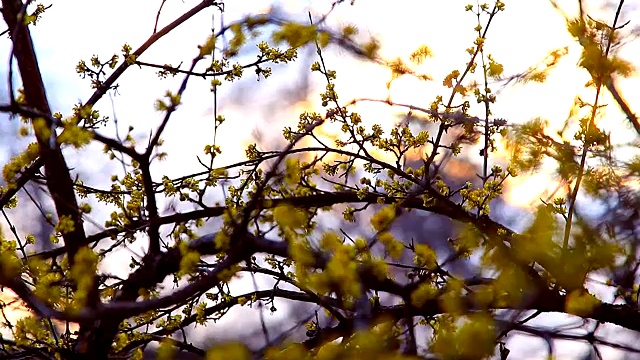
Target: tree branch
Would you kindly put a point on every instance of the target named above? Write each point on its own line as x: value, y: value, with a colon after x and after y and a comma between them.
x: 633, y: 119
x: 57, y: 173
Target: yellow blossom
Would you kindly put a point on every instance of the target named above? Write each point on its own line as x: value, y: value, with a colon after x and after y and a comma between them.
x: 230, y: 351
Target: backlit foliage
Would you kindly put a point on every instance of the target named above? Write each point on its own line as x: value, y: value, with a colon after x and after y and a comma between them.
x: 373, y: 292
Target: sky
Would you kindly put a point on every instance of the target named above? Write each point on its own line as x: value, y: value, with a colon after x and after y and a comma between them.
x: 521, y: 36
